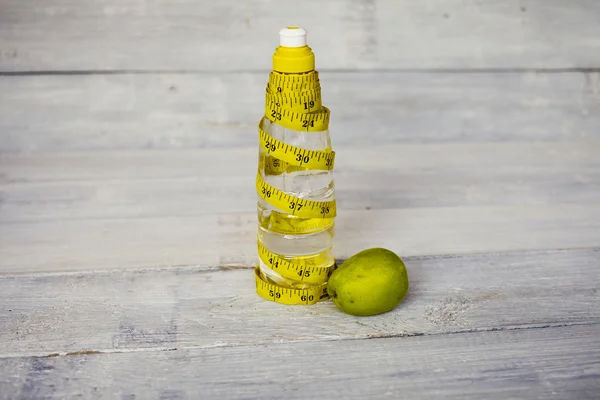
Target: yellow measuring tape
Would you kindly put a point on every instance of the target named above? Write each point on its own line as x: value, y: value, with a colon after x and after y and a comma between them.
x: 302, y: 102
x: 287, y: 224
x: 294, y: 205
x: 283, y: 84
x: 274, y: 166
x: 298, y: 271
x: 311, y: 122
x: 284, y: 295
x: 293, y: 101
x: 309, y: 159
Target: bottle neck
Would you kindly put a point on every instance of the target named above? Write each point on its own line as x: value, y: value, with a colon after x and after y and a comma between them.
x: 293, y: 60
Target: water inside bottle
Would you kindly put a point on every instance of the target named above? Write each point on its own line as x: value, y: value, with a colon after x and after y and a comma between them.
x: 299, y: 240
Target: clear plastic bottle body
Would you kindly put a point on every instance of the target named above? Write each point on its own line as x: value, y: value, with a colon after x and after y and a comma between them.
x: 299, y: 240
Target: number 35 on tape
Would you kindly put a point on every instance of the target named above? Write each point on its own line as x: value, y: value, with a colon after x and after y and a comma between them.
x: 294, y: 205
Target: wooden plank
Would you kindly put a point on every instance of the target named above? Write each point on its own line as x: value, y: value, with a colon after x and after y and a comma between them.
x: 537, y: 363
x: 230, y: 238
x: 85, y: 185
x: 91, y: 112
x: 145, y: 210
x: 208, y: 307
x: 61, y: 35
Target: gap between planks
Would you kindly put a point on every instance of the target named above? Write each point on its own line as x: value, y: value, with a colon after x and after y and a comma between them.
x: 229, y: 267
x: 181, y: 308
x: 527, y: 363
x: 286, y: 342
x: 506, y: 70
x: 183, y: 111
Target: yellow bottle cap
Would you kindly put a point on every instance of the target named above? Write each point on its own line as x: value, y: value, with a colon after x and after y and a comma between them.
x: 293, y: 55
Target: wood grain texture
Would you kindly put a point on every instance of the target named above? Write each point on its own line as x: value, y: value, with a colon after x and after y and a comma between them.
x: 230, y: 238
x: 208, y: 307
x: 67, y: 35
x: 467, y: 138
x: 86, y: 211
x: 92, y: 185
x: 533, y: 364
x: 100, y: 112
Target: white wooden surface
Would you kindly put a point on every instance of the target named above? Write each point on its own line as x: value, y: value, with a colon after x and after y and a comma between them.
x: 151, y: 209
x: 180, y: 307
x: 157, y: 111
x: 187, y: 35
x: 467, y: 135
x: 490, y: 365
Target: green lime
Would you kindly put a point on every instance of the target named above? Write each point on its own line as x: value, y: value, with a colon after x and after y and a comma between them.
x: 371, y: 282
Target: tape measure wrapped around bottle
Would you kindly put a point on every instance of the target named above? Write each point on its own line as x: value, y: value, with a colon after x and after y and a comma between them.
x: 289, y: 296
x: 293, y: 100
x: 300, y: 110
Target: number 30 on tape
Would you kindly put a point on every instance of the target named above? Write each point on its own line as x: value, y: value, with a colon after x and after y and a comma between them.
x: 309, y: 159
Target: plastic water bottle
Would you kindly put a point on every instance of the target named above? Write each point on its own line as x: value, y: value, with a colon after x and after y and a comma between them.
x: 304, y: 242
